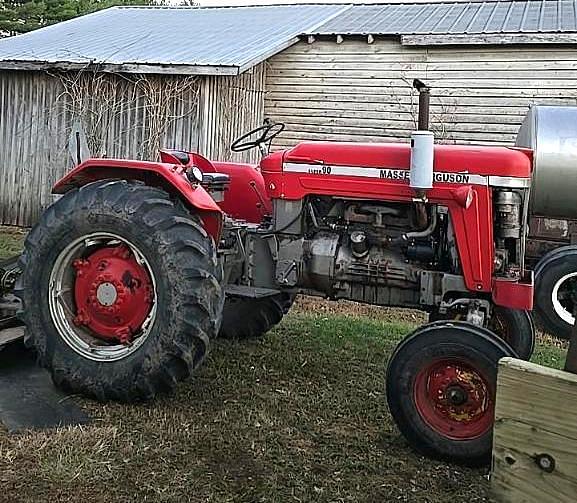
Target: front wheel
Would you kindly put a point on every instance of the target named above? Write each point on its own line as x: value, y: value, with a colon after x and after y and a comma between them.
x: 121, y: 292
x: 514, y: 326
x: 441, y: 384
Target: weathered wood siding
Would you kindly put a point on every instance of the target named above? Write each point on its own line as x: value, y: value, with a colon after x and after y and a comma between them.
x: 124, y: 117
x: 231, y: 106
x: 355, y: 91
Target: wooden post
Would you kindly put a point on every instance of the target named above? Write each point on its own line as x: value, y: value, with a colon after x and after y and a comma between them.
x: 571, y: 361
x: 535, y: 434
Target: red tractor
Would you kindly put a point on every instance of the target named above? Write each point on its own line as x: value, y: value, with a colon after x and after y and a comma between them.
x: 129, y: 275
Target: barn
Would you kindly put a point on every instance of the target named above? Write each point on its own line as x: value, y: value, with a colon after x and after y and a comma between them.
x: 140, y: 78
x: 136, y: 79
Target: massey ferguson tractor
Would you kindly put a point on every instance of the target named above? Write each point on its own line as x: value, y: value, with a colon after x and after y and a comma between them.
x: 128, y: 276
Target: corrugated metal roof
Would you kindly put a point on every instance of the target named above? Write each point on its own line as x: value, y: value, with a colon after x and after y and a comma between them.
x: 229, y: 40
x: 197, y: 40
x: 523, y: 17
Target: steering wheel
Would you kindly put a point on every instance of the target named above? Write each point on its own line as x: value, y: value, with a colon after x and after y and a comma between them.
x: 264, y: 135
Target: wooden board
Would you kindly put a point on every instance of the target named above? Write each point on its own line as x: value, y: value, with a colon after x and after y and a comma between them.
x: 535, y: 419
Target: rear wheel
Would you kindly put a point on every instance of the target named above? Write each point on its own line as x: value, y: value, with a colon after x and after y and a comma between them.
x: 121, y: 291
x: 555, y: 284
x: 441, y: 383
x: 243, y: 318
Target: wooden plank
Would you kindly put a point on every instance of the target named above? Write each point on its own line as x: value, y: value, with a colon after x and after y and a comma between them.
x: 350, y: 105
x: 392, y: 46
x: 347, y: 125
x: 400, y: 114
x: 434, y: 55
x: 490, y: 38
x: 400, y: 102
x: 511, y: 84
x: 122, y: 68
x: 373, y: 63
x: 535, y: 420
x: 441, y: 74
x: 302, y: 133
x: 304, y: 87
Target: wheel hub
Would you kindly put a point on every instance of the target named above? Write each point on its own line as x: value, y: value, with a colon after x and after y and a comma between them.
x: 456, y: 395
x: 562, y: 297
x: 113, y: 293
x: 454, y: 399
x: 106, y: 294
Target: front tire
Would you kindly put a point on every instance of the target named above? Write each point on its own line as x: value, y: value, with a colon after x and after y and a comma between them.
x: 120, y: 289
x: 441, y: 384
x: 513, y: 326
x: 555, y: 279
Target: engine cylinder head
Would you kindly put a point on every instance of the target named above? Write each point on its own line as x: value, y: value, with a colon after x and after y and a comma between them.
x: 508, y: 208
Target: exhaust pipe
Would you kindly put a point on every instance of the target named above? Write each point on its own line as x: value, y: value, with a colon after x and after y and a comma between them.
x: 422, y: 141
x: 424, y: 101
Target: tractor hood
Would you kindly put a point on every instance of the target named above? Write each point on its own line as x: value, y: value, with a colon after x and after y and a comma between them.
x: 478, y: 160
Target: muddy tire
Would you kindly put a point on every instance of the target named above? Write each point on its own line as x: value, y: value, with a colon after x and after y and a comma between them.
x: 165, y: 262
x: 555, y: 277
x: 246, y: 318
x: 440, y: 387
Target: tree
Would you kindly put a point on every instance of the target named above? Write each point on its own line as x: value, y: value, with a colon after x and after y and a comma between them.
x: 21, y: 16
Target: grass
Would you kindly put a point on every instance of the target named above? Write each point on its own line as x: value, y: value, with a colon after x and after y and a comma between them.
x: 11, y: 241
x: 296, y: 416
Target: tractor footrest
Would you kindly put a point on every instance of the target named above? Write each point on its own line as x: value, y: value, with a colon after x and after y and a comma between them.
x: 10, y: 335
x: 251, y: 292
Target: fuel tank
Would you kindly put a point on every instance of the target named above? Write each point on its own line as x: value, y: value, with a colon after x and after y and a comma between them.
x: 551, y: 131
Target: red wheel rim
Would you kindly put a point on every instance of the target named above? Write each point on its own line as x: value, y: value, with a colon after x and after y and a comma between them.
x: 455, y: 399
x: 113, y: 293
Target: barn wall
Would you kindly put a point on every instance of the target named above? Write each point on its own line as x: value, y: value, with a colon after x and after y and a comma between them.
x: 362, y: 92
x: 231, y: 106
x: 128, y: 116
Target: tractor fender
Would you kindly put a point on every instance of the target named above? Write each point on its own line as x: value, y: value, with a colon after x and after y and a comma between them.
x: 170, y: 177
x: 247, y: 197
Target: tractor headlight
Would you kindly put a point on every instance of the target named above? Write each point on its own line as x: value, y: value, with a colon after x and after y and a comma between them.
x: 194, y: 175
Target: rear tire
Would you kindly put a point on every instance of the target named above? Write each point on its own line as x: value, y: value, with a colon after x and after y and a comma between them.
x: 245, y: 318
x: 441, y: 383
x: 555, y: 276
x: 180, y: 259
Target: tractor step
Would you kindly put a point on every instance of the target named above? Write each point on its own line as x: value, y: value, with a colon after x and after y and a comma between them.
x: 251, y: 292
x: 10, y: 335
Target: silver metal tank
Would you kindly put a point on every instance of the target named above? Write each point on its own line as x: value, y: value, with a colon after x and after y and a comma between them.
x: 551, y: 131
